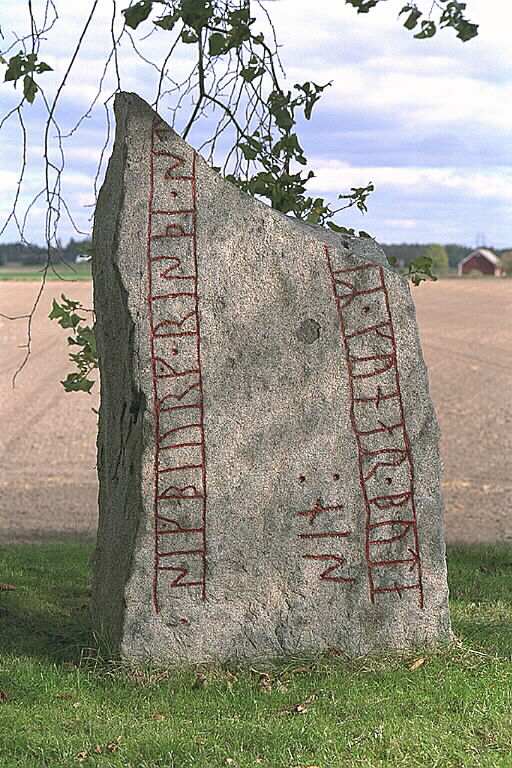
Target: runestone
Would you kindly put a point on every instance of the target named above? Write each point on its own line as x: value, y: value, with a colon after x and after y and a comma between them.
x: 268, y: 449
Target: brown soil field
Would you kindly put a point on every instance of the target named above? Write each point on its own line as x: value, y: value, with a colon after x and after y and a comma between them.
x: 47, y: 441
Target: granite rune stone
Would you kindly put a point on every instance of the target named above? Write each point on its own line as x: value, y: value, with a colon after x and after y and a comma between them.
x: 268, y: 449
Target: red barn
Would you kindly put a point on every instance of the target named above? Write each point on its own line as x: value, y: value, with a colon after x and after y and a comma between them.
x: 480, y: 260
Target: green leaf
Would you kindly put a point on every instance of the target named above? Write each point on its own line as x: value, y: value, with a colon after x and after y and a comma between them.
x: 251, y: 73
x: 56, y: 312
x: 76, y: 383
x: 167, y: 22
x: 363, y: 6
x: 412, y: 19
x: 428, y: 29
x: 69, y: 382
x: 217, y: 44
x: 189, y: 37
x: 69, y: 321
x: 137, y: 13
x: 86, y: 357
x: 69, y: 303
x: 311, y: 93
x: 29, y: 88
x: 289, y: 146
x: 87, y: 336
x: 420, y: 269
x: 24, y: 65
x: 467, y: 31
x: 248, y: 152
x: 254, y: 144
x: 240, y: 16
x: 14, y: 68
x: 196, y: 13
x: 44, y: 67
x: 282, y: 116
x: 337, y: 228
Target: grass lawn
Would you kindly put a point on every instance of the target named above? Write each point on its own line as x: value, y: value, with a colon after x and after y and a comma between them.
x: 62, y: 272
x: 64, y: 703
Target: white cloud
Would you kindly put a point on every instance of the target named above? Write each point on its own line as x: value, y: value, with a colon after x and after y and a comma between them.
x: 400, y: 223
x: 426, y: 120
x: 8, y: 179
x: 332, y: 175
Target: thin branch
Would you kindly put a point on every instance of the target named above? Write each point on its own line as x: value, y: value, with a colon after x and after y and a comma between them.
x: 162, y: 69
x: 201, y: 86
x: 213, y: 84
x: 14, y: 317
x: 68, y: 70
x: 10, y: 113
x: 103, y: 150
x: 115, y: 44
x: 49, y: 195
x: 21, y: 40
x: 28, y: 345
x: 22, y: 173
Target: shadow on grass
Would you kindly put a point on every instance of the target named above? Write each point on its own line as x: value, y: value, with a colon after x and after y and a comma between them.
x: 47, y: 616
x: 480, y: 581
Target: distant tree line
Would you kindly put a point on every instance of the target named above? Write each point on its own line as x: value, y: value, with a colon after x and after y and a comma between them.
x: 35, y: 255
x: 407, y: 252
x: 443, y: 256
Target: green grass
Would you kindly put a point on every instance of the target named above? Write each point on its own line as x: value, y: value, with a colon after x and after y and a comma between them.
x: 68, y: 272
x: 69, y: 706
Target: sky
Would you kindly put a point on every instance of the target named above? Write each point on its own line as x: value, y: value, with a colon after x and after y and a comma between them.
x: 429, y: 122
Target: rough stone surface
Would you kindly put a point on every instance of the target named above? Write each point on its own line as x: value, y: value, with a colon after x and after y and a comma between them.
x: 267, y: 453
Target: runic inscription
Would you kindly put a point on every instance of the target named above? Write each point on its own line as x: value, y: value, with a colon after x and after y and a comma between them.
x: 386, y: 470
x: 333, y: 561
x: 257, y: 494
x: 179, y: 459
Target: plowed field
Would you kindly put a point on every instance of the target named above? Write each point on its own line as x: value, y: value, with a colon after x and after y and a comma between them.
x: 47, y: 437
